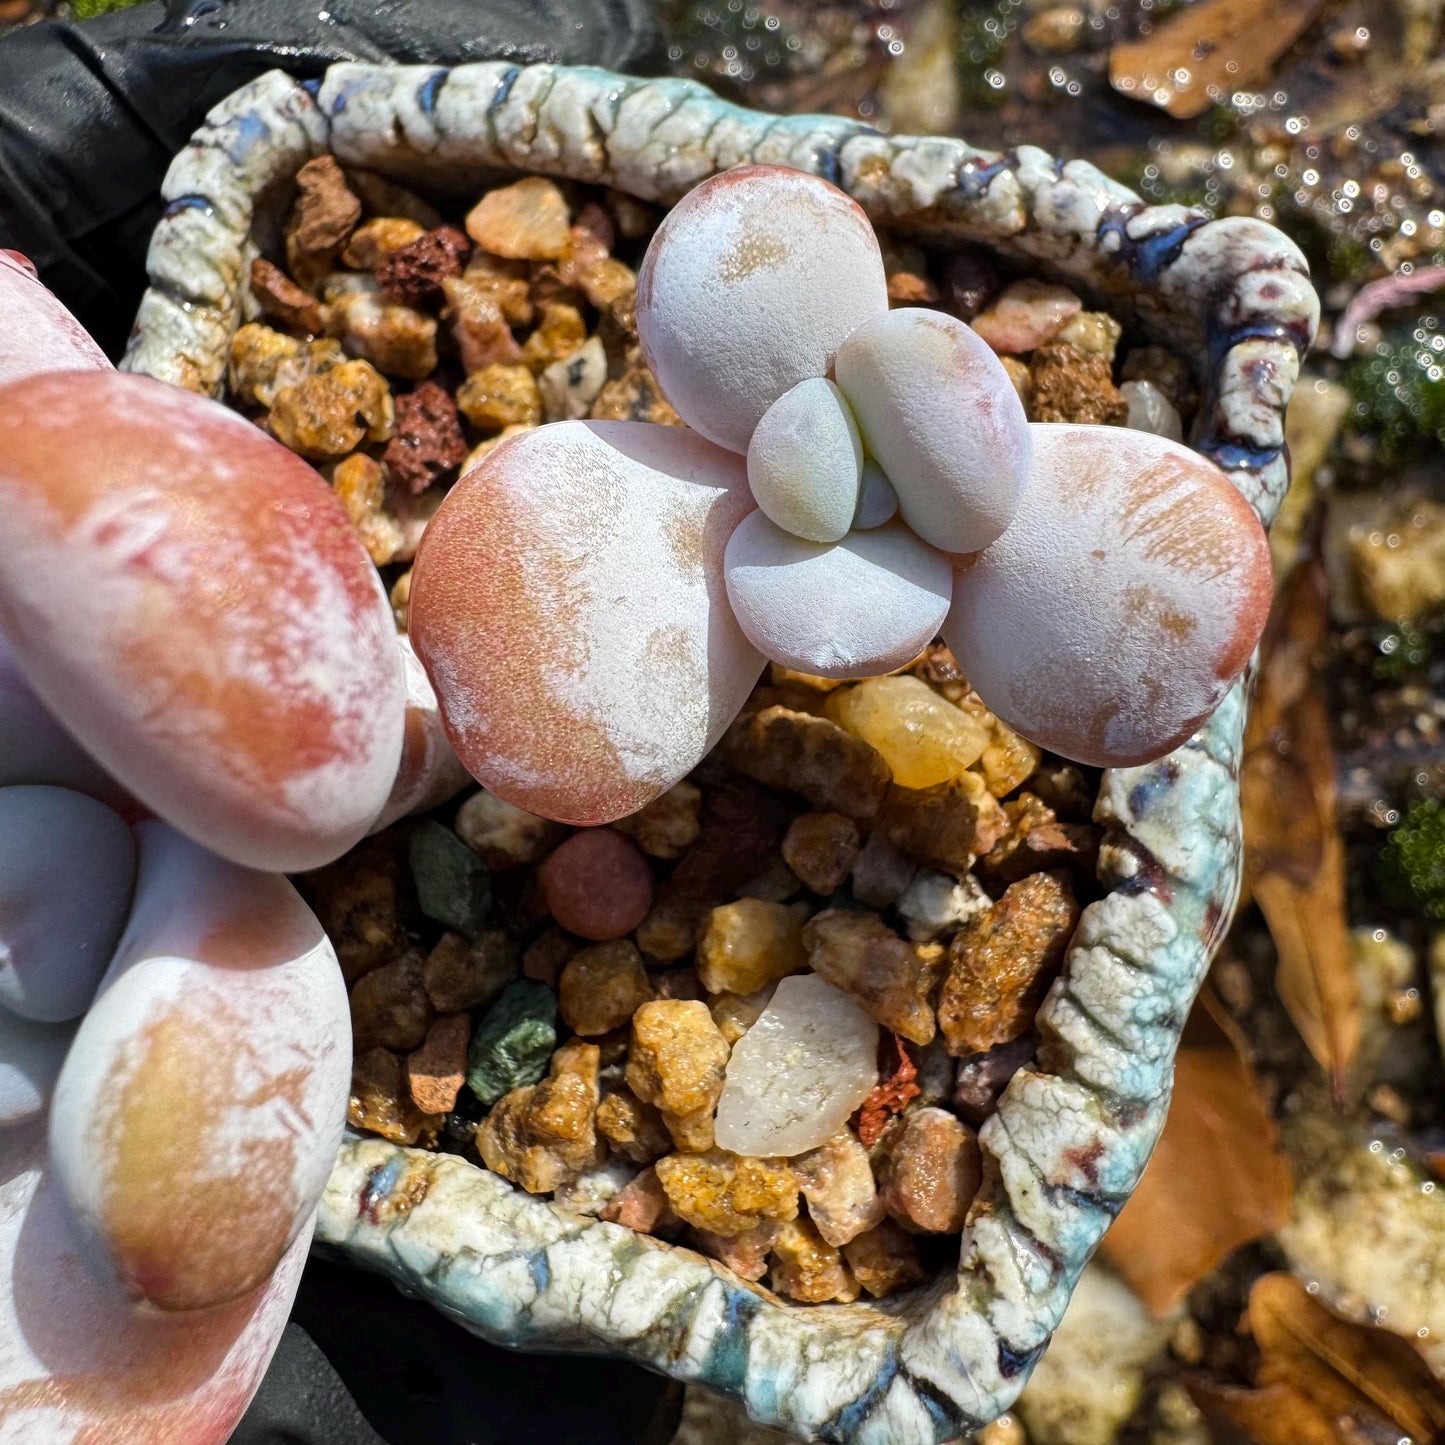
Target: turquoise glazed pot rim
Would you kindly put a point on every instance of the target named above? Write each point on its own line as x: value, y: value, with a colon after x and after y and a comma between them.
x: 1072, y: 1133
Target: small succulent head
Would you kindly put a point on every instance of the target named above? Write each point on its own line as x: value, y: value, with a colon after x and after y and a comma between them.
x: 595, y: 600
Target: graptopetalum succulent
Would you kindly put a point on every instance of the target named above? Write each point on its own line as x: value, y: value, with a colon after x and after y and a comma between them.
x: 201, y: 687
x: 595, y: 600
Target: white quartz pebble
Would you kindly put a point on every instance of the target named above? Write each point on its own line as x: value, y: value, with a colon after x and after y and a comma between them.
x: 30, y: 1058
x: 568, y: 604
x: 748, y: 287
x: 199, y: 1111
x: 797, y: 1075
x: 938, y: 411
x: 429, y: 772
x: 1117, y: 610
x: 79, y: 1362
x: 865, y: 605
x: 1150, y: 410
x: 877, y: 501
x: 67, y: 868
x: 804, y: 462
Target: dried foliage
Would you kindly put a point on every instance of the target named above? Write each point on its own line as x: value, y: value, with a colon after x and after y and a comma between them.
x: 1323, y: 1379
x: 1218, y: 1178
x: 1294, y: 855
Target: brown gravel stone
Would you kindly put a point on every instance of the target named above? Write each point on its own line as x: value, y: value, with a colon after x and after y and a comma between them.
x: 969, y: 282
x: 741, y: 830
x: 981, y: 1078
x: 807, y: 1268
x: 281, y: 297
x: 669, y: 824
x: 669, y: 932
x: 1001, y: 963
x: 264, y: 362
x: 885, y: 1260
x: 820, y: 849
x: 323, y: 216
x: 390, y: 1007
x: 634, y: 1129
x: 383, y: 196
x: 526, y: 221
x: 931, y: 1171
x: 359, y: 481
x: 356, y: 900
x: 436, y: 1071
x: 543, y: 1135
x: 734, y: 1014
x: 678, y: 983
x: 547, y: 955
x: 326, y: 417
x: 906, y: 268
x: 677, y: 1062
x: 559, y: 334
x: 381, y: 1102
x: 374, y: 240
x: 602, y: 987
x: 428, y: 442
x: 728, y: 1195
x: 746, y: 1254
x: 642, y: 1205
x: 459, y: 974
x: 1037, y: 841
x: 747, y: 945
x: 837, y: 1181
x: 412, y: 275
x: 1008, y: 759
x: 478, y: 325
x: 947, y: 825
x: 500, y: 395
x: 1071, y: 385
x: 832, y: 769
x: 634, y: 396
x: 881, y: 872
x: 859, y: 953
x: 395, y: 339
x: 503, y: 835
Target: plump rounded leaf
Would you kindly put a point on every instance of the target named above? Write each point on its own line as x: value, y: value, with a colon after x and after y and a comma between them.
x: 865, y: 605
x: 39, y: 334
x: 430, y: 771
x: 938, y: 411
x: 30, y: 1058
x: 804, y: 462
x: 877, y: 501
x: 34, y: 748
x: 191, y: 600
x: 568, y: 604
x: 67, y: 868
x: 750, y: 285
x: 1125, y: 598
x: 200, y: 1108
x: 80, y: 1362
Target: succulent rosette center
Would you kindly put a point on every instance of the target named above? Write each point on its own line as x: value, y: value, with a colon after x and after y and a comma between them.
x: 595, y: 601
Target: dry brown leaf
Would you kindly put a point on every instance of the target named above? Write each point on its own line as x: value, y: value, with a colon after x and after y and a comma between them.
x: 1348, y: 1371
x: 1294, y: 856
x: 1207, y: 51
x: 1218, y: 1178
x: 1276, y: 1415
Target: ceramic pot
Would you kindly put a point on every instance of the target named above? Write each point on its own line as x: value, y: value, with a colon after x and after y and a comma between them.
x: 1073, y: 1131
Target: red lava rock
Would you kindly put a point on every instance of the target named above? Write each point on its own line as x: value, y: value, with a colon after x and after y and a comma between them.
x: 892, y: 1094
x: 412, y: 275
x: 428, y: 440
x: 597, y: 884
x: 435, y: 1072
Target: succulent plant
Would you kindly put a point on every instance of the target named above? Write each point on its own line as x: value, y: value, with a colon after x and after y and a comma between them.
x: 594, y: 601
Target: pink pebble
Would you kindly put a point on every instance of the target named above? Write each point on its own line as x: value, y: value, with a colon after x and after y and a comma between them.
x: 1026, y: 315
x: 597, y: 884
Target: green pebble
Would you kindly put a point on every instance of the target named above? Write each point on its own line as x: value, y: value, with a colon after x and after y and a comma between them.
x: 513, y: 1044
x: 452, y: 884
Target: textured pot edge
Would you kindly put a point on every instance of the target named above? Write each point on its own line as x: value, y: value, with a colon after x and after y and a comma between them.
x: 1071, y: 1136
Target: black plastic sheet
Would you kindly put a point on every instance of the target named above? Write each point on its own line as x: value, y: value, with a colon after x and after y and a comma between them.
x: 91, y: 112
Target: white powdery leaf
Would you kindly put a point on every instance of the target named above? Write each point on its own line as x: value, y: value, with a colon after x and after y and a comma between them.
x: 798, y: 1074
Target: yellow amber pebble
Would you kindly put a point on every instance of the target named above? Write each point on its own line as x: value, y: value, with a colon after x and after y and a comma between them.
x: 924, y: 738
